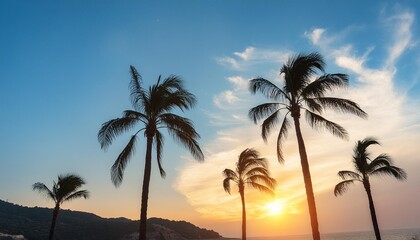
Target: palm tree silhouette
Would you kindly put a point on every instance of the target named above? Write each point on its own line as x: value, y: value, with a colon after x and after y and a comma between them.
x: 365, y: 167
x: 300, y: 93
x: 65, y: 189
x: 251, y: 170
x: 152, y: 110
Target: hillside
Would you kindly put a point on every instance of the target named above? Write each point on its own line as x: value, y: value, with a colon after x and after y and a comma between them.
x: 34, y: 223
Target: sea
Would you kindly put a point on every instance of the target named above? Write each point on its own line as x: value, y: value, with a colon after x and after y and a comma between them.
x: 399, y: 234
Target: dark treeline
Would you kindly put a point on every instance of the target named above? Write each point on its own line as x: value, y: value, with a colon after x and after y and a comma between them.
x: 34, y: 224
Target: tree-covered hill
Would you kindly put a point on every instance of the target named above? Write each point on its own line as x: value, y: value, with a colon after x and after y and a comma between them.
x: 34, y: 223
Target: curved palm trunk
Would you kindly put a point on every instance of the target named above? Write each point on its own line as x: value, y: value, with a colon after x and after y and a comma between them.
x: 241, y: 192
x: 372, y: 210
x: 308, y: 182
x: 145, y: 190
x: 54, y: 219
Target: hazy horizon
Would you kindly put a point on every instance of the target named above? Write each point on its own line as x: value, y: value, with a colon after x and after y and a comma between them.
x: 64, y: 69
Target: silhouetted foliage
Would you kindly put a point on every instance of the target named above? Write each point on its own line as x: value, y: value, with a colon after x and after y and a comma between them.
x: 251, y: 171
x: 152, y: 111
x: 299, y: 93
x: 33, y: 224
x: 365, y: 168
x: 65, y: 189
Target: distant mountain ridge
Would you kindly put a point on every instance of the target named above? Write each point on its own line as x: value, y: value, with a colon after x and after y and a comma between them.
x: 34, y: 223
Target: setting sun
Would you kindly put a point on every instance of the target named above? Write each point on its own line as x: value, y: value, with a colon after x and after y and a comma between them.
x: 274, y: 208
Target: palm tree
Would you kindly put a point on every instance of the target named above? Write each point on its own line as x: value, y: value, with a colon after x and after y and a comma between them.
x: 251, y: 170
x: 300, y: 93
x: 65, y: 189
x: 365, y: 167
x: 152, y: 111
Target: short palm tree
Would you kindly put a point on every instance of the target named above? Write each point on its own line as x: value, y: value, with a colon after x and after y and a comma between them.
x: 251, y: 170
x: 65, y: 189
x: 299, y: 94
x: 365, y: 168
x: 152, y: 111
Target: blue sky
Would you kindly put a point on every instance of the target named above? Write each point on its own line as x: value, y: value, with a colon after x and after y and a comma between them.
x: 64, y: 71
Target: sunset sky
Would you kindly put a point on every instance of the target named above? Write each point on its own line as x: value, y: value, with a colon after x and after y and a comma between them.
x: 64, y: 70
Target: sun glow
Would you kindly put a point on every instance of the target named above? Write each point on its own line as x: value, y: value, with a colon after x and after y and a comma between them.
x: 274, y: 208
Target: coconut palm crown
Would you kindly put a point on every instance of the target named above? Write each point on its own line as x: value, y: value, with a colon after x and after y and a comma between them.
x: 152, y: 112
x: 366, y: 167
x: 302, y: 91
x: 252, y: 171
x: 65, y: 189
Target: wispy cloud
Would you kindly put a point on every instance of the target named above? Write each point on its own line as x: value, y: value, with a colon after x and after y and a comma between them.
x: 391, y: 119
x: 401, y: 33
x: 251, y: 56
x: 315, y: 35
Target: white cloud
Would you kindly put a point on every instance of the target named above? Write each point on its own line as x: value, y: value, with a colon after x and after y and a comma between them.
x: 239, y: 82
x: 315, y: 35
x: 401, y: 31
x: 224, y: 99
x: 247, y: 54
x: 228, y: 61
x: 251, y: 56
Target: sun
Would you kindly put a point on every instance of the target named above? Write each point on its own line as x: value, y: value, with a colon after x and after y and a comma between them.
x: 274, y: 208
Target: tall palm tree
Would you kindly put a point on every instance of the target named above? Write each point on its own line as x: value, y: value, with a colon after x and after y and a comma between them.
x: 65, y: 189
x: 152, y: 111
x: 251, y: 170
x: 298, y: 94
x: 366, y: 167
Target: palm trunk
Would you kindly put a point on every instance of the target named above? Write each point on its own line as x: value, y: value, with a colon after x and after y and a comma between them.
x: 372, y: 210
x: 54, y: 219
x: 241, y: 192
x: 308, y: 182
x: 145, y: 190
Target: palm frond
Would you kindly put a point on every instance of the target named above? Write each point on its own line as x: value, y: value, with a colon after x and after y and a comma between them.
x: 248, y: 154
x: 66, y: 188
x: 79, y: 194
x: 325, y: 83
x: 251, y: 170
x: 316, y: 121
x: 299, y: 69
x: 263, y: 178
x: 226, y: 184
x: 268, y: 124
x: 134, y: 114
x: 342, y: 187
x: 267, y: 88
x: 249, y: 158
x: 361, y: 146
x: 66, y: 185
x: 136, y: 91
x: 392, y: 171
x: 313, y: 105
x: 41, y: 188
x: 257, y: 171
x: 383, y: 160
x: 341, y: 105
x: 262, y: 111
x: 159, y: 145
x: 261, y: 187
x: 182, y: 130
x: 229, y: 173
x: 284, y: 129
x: 113, y: 128
x: 173, y: 95
x: 117, y: 169
x: 350, y: 174
x: 361, y: 155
